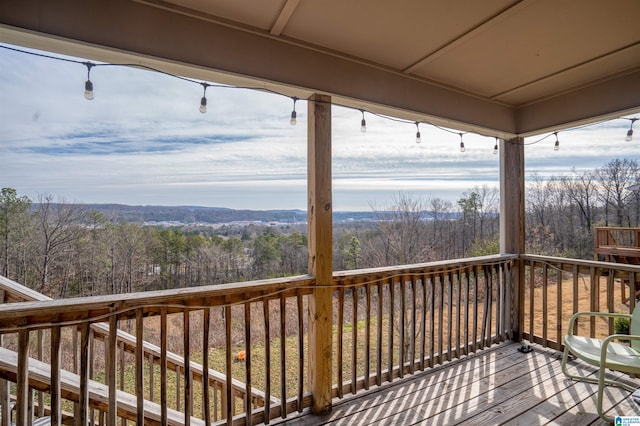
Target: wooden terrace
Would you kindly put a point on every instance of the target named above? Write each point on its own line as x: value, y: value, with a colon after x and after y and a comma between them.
x: 495, y: 386
x: 441, y: 332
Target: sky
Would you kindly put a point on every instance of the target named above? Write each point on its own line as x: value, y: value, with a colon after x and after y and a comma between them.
x: 142, y: 141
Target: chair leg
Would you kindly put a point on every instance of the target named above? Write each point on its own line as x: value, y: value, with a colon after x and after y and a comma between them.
x: 601, y: 380
x: 565, y: 370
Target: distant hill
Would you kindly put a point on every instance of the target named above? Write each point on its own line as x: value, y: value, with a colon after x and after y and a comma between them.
x: 207, y: 215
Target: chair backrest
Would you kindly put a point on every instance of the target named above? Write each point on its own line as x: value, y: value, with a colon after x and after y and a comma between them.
x: 634, y: 327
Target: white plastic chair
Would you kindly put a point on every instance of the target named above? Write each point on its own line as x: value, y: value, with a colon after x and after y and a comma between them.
x: 605, y: 353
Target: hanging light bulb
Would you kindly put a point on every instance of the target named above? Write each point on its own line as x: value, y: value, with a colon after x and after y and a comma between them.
x: 203, y: 101
x: 556, y: 147
x: 630, y: 132
x: 418, y: 139
x: 461, y: 143
x: 495, y: 147
x: 293, y: 120
x: 88, y: 85
x: 363, y: 123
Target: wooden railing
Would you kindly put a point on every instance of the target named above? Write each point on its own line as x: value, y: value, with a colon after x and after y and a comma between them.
x: 395, y: 321
x: 388, y: 322
x: 555, y: 288
x: 12, y: 292
x: 616, y: 244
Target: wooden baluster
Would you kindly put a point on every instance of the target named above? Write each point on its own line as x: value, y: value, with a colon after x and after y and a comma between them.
x: 467, y: 304
x: 458, y: 313
x: 595, y: 289
x: 112, y: 412
x: 576, y: 295
x: 139, y: 367
x: 545, y: 302
x: 56, y: 403
x: 413, y: 343
x: 440, y: 284
x: 391, y: 327
x: 188, y: 400
x: 488, y: 306
x: 83, y: 398
x: 340, y: 345
x: 247, y: 359
x: 354, y: 338
x: 301, y: 335
x: 163, y: 366
x: 206, y: 406
x: 610, y: 302
x: 229, y: 378
x: 40, y: 393
x: 532, y: 285
x: 283, y: 358
x: 367, y: 336
x: 92, y: 371
x: 632, y: 284
x: 476, y: 274
x: 449, y: 287
x: 267, y: 357
x: 559, y: 307
x: 423, y: 322
x: 22, y: 380
x: 402, y: 335
x: 379, y: 334
x: 432, y: 320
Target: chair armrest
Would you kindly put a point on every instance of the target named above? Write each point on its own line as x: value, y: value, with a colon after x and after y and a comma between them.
x: 575, y: 317
x: 609, y: 339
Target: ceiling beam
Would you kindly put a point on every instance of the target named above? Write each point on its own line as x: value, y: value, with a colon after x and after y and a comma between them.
x: 285, y: 14
x: 606, y: 100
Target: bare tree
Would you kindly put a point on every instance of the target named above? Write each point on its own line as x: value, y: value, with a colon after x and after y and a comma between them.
x: 59, y: 225
x: 615, y: 178
x: 402, y: 236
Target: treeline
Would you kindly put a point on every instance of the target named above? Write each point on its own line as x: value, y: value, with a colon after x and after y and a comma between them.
x: 563, y: 210
x: 66, y: 250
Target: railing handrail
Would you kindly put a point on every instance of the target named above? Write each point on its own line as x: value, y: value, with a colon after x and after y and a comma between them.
x: 582, y: 263
x: 448, y: 265
x: 96, y: 309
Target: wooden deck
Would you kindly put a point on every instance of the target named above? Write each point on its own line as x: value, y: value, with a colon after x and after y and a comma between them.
x: 499, y: 385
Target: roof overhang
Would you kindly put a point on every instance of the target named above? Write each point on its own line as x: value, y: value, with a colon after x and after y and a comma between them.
x: 291, y: 47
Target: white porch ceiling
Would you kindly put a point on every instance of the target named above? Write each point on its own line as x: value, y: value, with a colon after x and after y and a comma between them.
x: 502, y: 67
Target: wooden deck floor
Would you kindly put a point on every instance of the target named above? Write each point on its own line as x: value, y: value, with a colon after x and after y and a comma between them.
x: 496, y: 386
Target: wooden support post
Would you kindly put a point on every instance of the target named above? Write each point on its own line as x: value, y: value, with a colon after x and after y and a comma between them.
x: 512, y: 224
x: 320, y: 251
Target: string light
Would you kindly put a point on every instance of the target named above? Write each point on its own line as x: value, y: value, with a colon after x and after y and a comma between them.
x: 294, y: 120
x: 88, y: 93
x: 203, y: 101
x: 630, y: 132
x: 88, y: 85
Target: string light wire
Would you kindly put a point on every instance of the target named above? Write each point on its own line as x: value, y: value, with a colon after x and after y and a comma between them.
x: 293, y: 120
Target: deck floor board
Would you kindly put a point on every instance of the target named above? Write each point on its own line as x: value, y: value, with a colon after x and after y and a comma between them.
x: 496, y: 386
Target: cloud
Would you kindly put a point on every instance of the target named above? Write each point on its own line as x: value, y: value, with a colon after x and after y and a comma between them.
x: 143, y: 141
